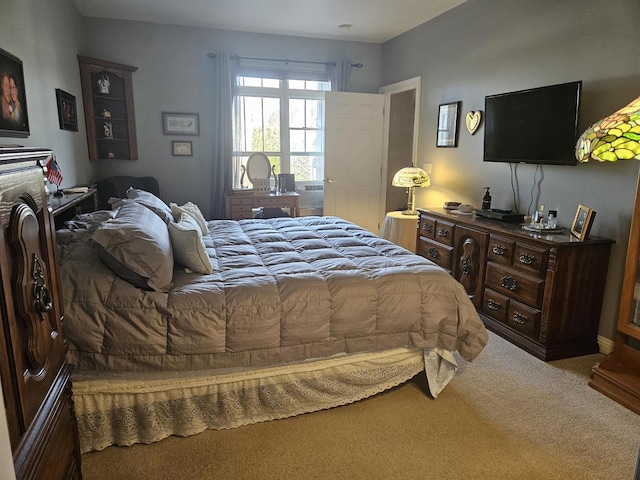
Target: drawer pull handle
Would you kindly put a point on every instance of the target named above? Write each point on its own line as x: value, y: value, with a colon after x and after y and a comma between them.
x: 43, y: 300
x: 519, y: 318
x: 433, y: 252
x: 509, y: 283
x: 443, y: 233
x: 526, y: 259
x: 493, y: 305
x: 426, y: 227
x: 465, y: 263
x: 498, y: 250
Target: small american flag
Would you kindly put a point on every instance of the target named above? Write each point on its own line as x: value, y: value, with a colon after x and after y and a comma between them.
x: 54, y: 175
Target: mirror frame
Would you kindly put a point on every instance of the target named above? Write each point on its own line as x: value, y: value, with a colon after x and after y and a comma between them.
x: 254, y: 159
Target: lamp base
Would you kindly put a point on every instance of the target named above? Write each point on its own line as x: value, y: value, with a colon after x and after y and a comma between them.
x: 409, y: 212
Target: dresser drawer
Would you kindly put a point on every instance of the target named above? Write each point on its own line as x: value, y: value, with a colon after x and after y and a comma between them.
x: 427, y: 227
x: 275, y: 202
x: 524, y: 319
x: 436, y: 252
x: 520, y: 287
x: 236, y: 202
x: 530, y: 259
x: 444, y: 233
x: 495, y: 305
x: 501, y: 250
x: 241, y: 215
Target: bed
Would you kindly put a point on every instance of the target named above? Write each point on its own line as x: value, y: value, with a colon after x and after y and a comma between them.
x: 237, y: 322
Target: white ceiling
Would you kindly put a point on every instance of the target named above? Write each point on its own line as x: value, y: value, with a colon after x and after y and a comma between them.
x: 374, y: 21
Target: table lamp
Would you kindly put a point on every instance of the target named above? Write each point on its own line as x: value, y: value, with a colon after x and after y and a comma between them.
x: 410, y: 178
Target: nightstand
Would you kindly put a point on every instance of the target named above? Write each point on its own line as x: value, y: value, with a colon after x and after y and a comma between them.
x: 400, y: 229
x: 69, y: 205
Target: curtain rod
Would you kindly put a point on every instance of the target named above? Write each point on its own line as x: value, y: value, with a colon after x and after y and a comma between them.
x: 333, y: 64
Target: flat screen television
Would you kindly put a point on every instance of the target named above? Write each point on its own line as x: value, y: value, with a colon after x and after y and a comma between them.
x: 538, y: 125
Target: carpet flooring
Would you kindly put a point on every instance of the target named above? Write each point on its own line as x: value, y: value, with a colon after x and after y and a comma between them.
x: 507, y: 415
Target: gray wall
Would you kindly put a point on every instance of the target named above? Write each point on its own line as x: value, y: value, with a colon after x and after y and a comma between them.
x: 175, y: 75
x: 46, y: 36
x: 485, y: 47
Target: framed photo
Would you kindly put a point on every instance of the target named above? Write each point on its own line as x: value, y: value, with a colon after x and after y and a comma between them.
x: 67, y: 114
x: 448, y: 125
x: 14, y: 121
x: 180, y: 123
x: 582, y: 222
x: 182, y: 149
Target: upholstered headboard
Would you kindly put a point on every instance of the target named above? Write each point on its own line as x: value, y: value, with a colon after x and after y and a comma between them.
x: 117, y: 187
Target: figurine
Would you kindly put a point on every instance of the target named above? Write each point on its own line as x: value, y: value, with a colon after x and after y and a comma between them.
x: 104, y: 84
x: 244, y: 170
x: 110, y: 154
x: 108, y: 130
x: 106, y: 113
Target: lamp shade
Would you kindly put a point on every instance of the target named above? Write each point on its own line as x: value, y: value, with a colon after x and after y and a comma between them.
x: 411, y: 177
x: 616, y: 137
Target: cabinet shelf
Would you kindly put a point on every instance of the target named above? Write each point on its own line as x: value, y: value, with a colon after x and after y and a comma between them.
x: 116, y: 79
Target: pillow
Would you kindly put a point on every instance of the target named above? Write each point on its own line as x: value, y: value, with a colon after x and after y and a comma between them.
x: 193, y: 210
x: 187, y: 244
x: 152, y: 202
x: 136, y: 246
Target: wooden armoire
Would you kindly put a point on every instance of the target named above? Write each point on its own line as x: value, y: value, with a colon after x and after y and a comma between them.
x: 35, y: 376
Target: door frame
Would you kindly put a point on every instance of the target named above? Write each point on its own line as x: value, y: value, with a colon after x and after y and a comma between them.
x: 414, y: 83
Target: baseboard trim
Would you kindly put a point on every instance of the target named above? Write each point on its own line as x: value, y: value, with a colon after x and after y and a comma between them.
x: 605, y: 344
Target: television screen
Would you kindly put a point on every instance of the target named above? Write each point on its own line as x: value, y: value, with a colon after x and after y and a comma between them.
x: 539, y: 125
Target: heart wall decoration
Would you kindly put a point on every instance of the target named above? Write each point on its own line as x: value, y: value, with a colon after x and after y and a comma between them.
x: 473, y: 121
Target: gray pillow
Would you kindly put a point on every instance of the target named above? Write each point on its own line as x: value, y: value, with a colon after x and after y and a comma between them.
x: 152, y: 202
x: 136, y: 246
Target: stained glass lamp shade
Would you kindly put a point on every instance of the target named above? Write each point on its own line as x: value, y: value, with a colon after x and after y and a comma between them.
x: 616, y: 137
x: 410, y: 178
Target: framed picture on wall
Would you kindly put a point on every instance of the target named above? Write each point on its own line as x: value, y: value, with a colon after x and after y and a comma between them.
x: 14, y: 121
x: 67, y: 115
x: 182, y: 148
x: 448, y: 125
x: 180, y: 123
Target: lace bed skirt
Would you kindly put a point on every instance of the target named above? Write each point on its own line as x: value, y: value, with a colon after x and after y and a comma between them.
x: 123, y: 409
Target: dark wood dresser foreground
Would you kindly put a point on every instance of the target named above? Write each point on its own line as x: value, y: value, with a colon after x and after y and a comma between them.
x: 35, y: 376
x: 542, y: 292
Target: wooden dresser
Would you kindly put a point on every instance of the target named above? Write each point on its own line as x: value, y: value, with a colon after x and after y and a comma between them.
x: 240, y: 205
x: 542, y: 292
x: 35, y: 377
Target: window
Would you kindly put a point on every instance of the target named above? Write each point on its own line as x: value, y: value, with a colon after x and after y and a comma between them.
x: 284, y: 118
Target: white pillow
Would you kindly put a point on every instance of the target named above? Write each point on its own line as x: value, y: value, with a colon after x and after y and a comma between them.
x: 188, y: 247
x: 193, y: 210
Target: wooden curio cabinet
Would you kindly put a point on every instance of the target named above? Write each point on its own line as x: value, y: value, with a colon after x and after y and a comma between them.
x: 107, y: 92
x: 618, y: 375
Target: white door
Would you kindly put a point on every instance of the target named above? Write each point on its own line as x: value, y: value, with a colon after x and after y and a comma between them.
x: 353, y: 157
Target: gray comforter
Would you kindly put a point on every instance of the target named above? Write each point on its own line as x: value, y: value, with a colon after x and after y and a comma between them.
x: 282, y: 290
